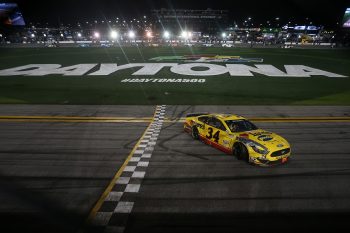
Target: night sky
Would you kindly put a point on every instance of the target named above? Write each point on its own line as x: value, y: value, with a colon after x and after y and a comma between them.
x: 320, y: 12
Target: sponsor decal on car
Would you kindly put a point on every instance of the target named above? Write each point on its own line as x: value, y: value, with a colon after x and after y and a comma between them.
x: 265, y: 138
x: 225, y: 142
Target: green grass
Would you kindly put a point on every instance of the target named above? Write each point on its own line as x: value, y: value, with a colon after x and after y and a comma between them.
x: 258, y: 90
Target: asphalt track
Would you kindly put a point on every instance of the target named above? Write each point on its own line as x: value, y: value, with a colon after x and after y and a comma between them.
x: 53, y: 173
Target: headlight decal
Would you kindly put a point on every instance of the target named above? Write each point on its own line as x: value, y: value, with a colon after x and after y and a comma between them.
x: 257, y: 147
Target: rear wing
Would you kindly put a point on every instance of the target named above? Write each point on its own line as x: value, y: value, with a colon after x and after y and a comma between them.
x: 196, y: 114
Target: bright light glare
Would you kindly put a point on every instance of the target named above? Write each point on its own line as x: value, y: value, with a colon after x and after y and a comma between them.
x: 186, y: 34
x: 114, y: 34
x: 166, y: 34
x: 131, y: 34
x: 149, y: 34
x: 97, y: 35
x: 79, y: 34
x: 223, y: 35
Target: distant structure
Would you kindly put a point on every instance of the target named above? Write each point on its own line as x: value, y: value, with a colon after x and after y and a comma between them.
x: 207, y: 21
x: 10, y: 15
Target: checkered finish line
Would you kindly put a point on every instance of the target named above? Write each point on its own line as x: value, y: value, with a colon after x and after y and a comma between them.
x: 115, y: 210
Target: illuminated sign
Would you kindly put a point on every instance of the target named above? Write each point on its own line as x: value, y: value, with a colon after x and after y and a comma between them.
x: 303, y: 28
x: 299, y: 27
x: 312, y: 28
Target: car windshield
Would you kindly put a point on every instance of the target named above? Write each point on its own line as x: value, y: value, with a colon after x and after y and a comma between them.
x: 240, y: 125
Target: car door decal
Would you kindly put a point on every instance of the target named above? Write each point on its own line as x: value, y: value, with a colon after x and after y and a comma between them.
x: 216, y: 135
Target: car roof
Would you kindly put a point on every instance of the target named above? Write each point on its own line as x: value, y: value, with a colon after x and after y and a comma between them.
x: 227, y: 117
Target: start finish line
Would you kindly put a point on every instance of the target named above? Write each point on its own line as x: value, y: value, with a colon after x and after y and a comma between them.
x: 188, y: 69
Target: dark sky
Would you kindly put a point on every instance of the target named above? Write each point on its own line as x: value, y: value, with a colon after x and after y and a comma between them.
x: 325, y: 12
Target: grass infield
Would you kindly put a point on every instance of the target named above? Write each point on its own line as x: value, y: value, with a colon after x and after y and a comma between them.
x: 224, y: 89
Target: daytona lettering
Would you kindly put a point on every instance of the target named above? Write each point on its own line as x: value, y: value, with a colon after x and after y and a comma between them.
x: 150, y: 69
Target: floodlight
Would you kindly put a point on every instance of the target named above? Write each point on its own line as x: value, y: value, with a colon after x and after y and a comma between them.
x: 166, y: 35
x: 114, y: 34
x: 97, y: 35
x: 131, y: 34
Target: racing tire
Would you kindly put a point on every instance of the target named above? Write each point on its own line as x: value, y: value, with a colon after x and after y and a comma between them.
x: 241, y: 152
x: 195, y: 133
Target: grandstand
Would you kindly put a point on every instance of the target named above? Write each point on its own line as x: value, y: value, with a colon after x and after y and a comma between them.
x: 172, y: 27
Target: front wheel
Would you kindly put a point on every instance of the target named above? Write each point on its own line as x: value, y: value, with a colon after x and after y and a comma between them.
x: 241, y: 152
x: 195, y: 133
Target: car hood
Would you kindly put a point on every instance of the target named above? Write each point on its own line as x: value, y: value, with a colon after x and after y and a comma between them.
x: 266, y: 138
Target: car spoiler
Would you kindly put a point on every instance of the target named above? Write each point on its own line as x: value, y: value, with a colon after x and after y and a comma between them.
x: 196, y: 114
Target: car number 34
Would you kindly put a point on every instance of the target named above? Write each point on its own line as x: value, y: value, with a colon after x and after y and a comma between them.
x: 215, y: 136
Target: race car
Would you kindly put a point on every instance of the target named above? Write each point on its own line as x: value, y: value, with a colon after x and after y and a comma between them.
x: 236, y: 135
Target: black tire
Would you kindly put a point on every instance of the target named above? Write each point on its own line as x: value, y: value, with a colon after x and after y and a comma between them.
x: 195, y: 133
x: 241, y: 152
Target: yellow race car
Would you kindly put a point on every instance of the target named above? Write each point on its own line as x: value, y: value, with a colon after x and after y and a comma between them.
x: 236, y: 135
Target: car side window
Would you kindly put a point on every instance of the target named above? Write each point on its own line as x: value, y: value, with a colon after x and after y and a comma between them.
x: 203, y: 119
x: 214, y: 122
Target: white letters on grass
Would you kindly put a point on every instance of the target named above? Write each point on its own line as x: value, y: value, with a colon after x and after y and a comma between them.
x: 150, y: 69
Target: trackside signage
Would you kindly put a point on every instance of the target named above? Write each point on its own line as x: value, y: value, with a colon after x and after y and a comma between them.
x: 151, y: 69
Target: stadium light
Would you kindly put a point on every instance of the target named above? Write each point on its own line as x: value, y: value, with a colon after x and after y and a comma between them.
x: 62, y: 35
x: 149, y: 34
x: 186, y: 34
x: 97, y: 35
x: 32, y: 35
x: 131, y: 34
x: 114, y: 34
x: 166, y: 35
x: 79, y: 34
x: 223, y: 35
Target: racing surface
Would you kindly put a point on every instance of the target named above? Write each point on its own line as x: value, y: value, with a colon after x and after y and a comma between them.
x: 53, y: 173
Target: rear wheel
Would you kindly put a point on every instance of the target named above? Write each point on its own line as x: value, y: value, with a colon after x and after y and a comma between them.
x: 195, y: 133
x: 241, y: 152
